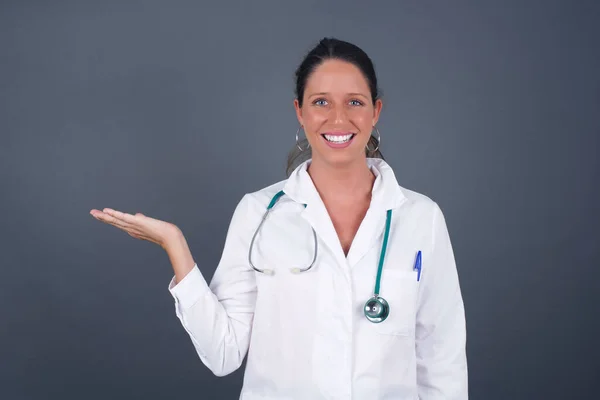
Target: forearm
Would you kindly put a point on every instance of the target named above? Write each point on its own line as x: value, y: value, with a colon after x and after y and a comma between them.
x: 179, y: 254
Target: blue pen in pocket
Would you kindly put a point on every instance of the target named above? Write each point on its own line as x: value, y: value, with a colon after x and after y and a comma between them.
x: 417, y: 266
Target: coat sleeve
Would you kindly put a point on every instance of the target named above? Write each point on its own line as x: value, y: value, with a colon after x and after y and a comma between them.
x: 218, y: 317
x: 440, y: 326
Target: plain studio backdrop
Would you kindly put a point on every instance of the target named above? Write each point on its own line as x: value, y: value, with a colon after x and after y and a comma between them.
x: 176, y: 109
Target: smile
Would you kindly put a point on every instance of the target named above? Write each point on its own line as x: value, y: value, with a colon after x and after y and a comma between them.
x: 339, y: 138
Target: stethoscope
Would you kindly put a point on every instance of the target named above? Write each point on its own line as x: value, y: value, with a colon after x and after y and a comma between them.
x: 376, y: 309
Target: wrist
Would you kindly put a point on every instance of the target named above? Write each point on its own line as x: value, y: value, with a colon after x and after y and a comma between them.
x: 173, y: 238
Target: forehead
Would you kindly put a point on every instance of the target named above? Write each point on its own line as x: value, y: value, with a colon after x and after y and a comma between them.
x: 337, y: 76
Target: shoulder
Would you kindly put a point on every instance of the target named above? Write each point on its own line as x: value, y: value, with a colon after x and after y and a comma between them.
x: 422, y: 216
x: 415, y: 198
x: 419, y: 205
x: 265, y: 195
x: 252, y: 205
x: 258, y: 200
x: 409, y: 202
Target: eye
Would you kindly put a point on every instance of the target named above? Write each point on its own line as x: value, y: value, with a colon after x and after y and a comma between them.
x: 320, y: 102
x: 356, y: 102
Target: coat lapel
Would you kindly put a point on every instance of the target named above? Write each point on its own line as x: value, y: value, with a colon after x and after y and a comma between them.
x: 369, y: 234
x: 371, y: 229
x: 300, y: 188
x: 316, y: 214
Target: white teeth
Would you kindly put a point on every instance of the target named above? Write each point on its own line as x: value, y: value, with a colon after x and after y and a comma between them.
x: 338, y: 138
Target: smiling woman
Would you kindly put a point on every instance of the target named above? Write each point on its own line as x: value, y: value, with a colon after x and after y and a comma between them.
x: 337, y: 282
x: 345, y: 83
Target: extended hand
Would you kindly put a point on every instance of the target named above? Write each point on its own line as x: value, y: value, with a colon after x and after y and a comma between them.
x: 138, y: 226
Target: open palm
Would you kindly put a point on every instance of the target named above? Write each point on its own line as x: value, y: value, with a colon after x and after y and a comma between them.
x: 138, y: 226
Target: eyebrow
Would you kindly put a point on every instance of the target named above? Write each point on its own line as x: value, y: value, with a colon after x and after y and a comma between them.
x: 349, y: 94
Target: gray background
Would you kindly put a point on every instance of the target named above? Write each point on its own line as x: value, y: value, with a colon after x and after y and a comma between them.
x: 176, y: 109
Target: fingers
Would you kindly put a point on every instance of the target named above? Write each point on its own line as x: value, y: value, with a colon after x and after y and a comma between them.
x: 113, y: 217
x: 132, y: 234
x: 123, y: 221
x: 114, y: 221
x: 128, y: 218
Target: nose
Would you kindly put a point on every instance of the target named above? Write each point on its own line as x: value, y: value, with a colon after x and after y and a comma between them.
x: 339, y: 114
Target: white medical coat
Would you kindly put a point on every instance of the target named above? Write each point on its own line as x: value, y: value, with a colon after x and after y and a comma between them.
x: 306, y: 334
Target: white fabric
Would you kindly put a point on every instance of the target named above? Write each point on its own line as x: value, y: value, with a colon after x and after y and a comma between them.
x: 306, y: 334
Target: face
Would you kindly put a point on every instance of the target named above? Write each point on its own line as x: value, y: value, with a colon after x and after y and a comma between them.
x: 337, y: 113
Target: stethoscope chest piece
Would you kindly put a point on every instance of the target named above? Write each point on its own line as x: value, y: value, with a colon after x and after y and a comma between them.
x: 376, y: 309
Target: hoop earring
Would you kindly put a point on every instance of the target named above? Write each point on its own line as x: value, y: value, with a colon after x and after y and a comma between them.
x: 297, y: 144
x: 378, y: 140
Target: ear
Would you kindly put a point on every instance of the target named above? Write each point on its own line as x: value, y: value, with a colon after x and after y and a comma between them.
x: 298, y: 112
x: 377, y: 111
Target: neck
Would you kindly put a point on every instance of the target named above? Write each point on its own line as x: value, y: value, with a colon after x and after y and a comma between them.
x: 342, y: 185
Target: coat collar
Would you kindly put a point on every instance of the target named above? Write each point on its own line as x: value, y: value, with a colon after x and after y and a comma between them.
x: 386, y: 195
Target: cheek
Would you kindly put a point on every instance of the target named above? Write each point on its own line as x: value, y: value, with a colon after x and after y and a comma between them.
x: 313, y: 121
x: 363, y: 118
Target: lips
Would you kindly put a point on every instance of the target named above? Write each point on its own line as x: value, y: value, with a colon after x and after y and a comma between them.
x: 338, y: 140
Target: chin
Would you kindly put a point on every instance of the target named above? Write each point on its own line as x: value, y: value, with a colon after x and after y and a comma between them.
x: 345, y: 157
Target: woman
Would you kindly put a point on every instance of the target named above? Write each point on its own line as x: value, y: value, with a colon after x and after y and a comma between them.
x: 301, y: 295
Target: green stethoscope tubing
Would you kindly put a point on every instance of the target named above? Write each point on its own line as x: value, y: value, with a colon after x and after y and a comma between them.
x: 376, y: 309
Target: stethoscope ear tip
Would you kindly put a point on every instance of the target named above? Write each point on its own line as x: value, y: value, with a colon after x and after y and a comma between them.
x: 268, y: 272
x: 295, y: 270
